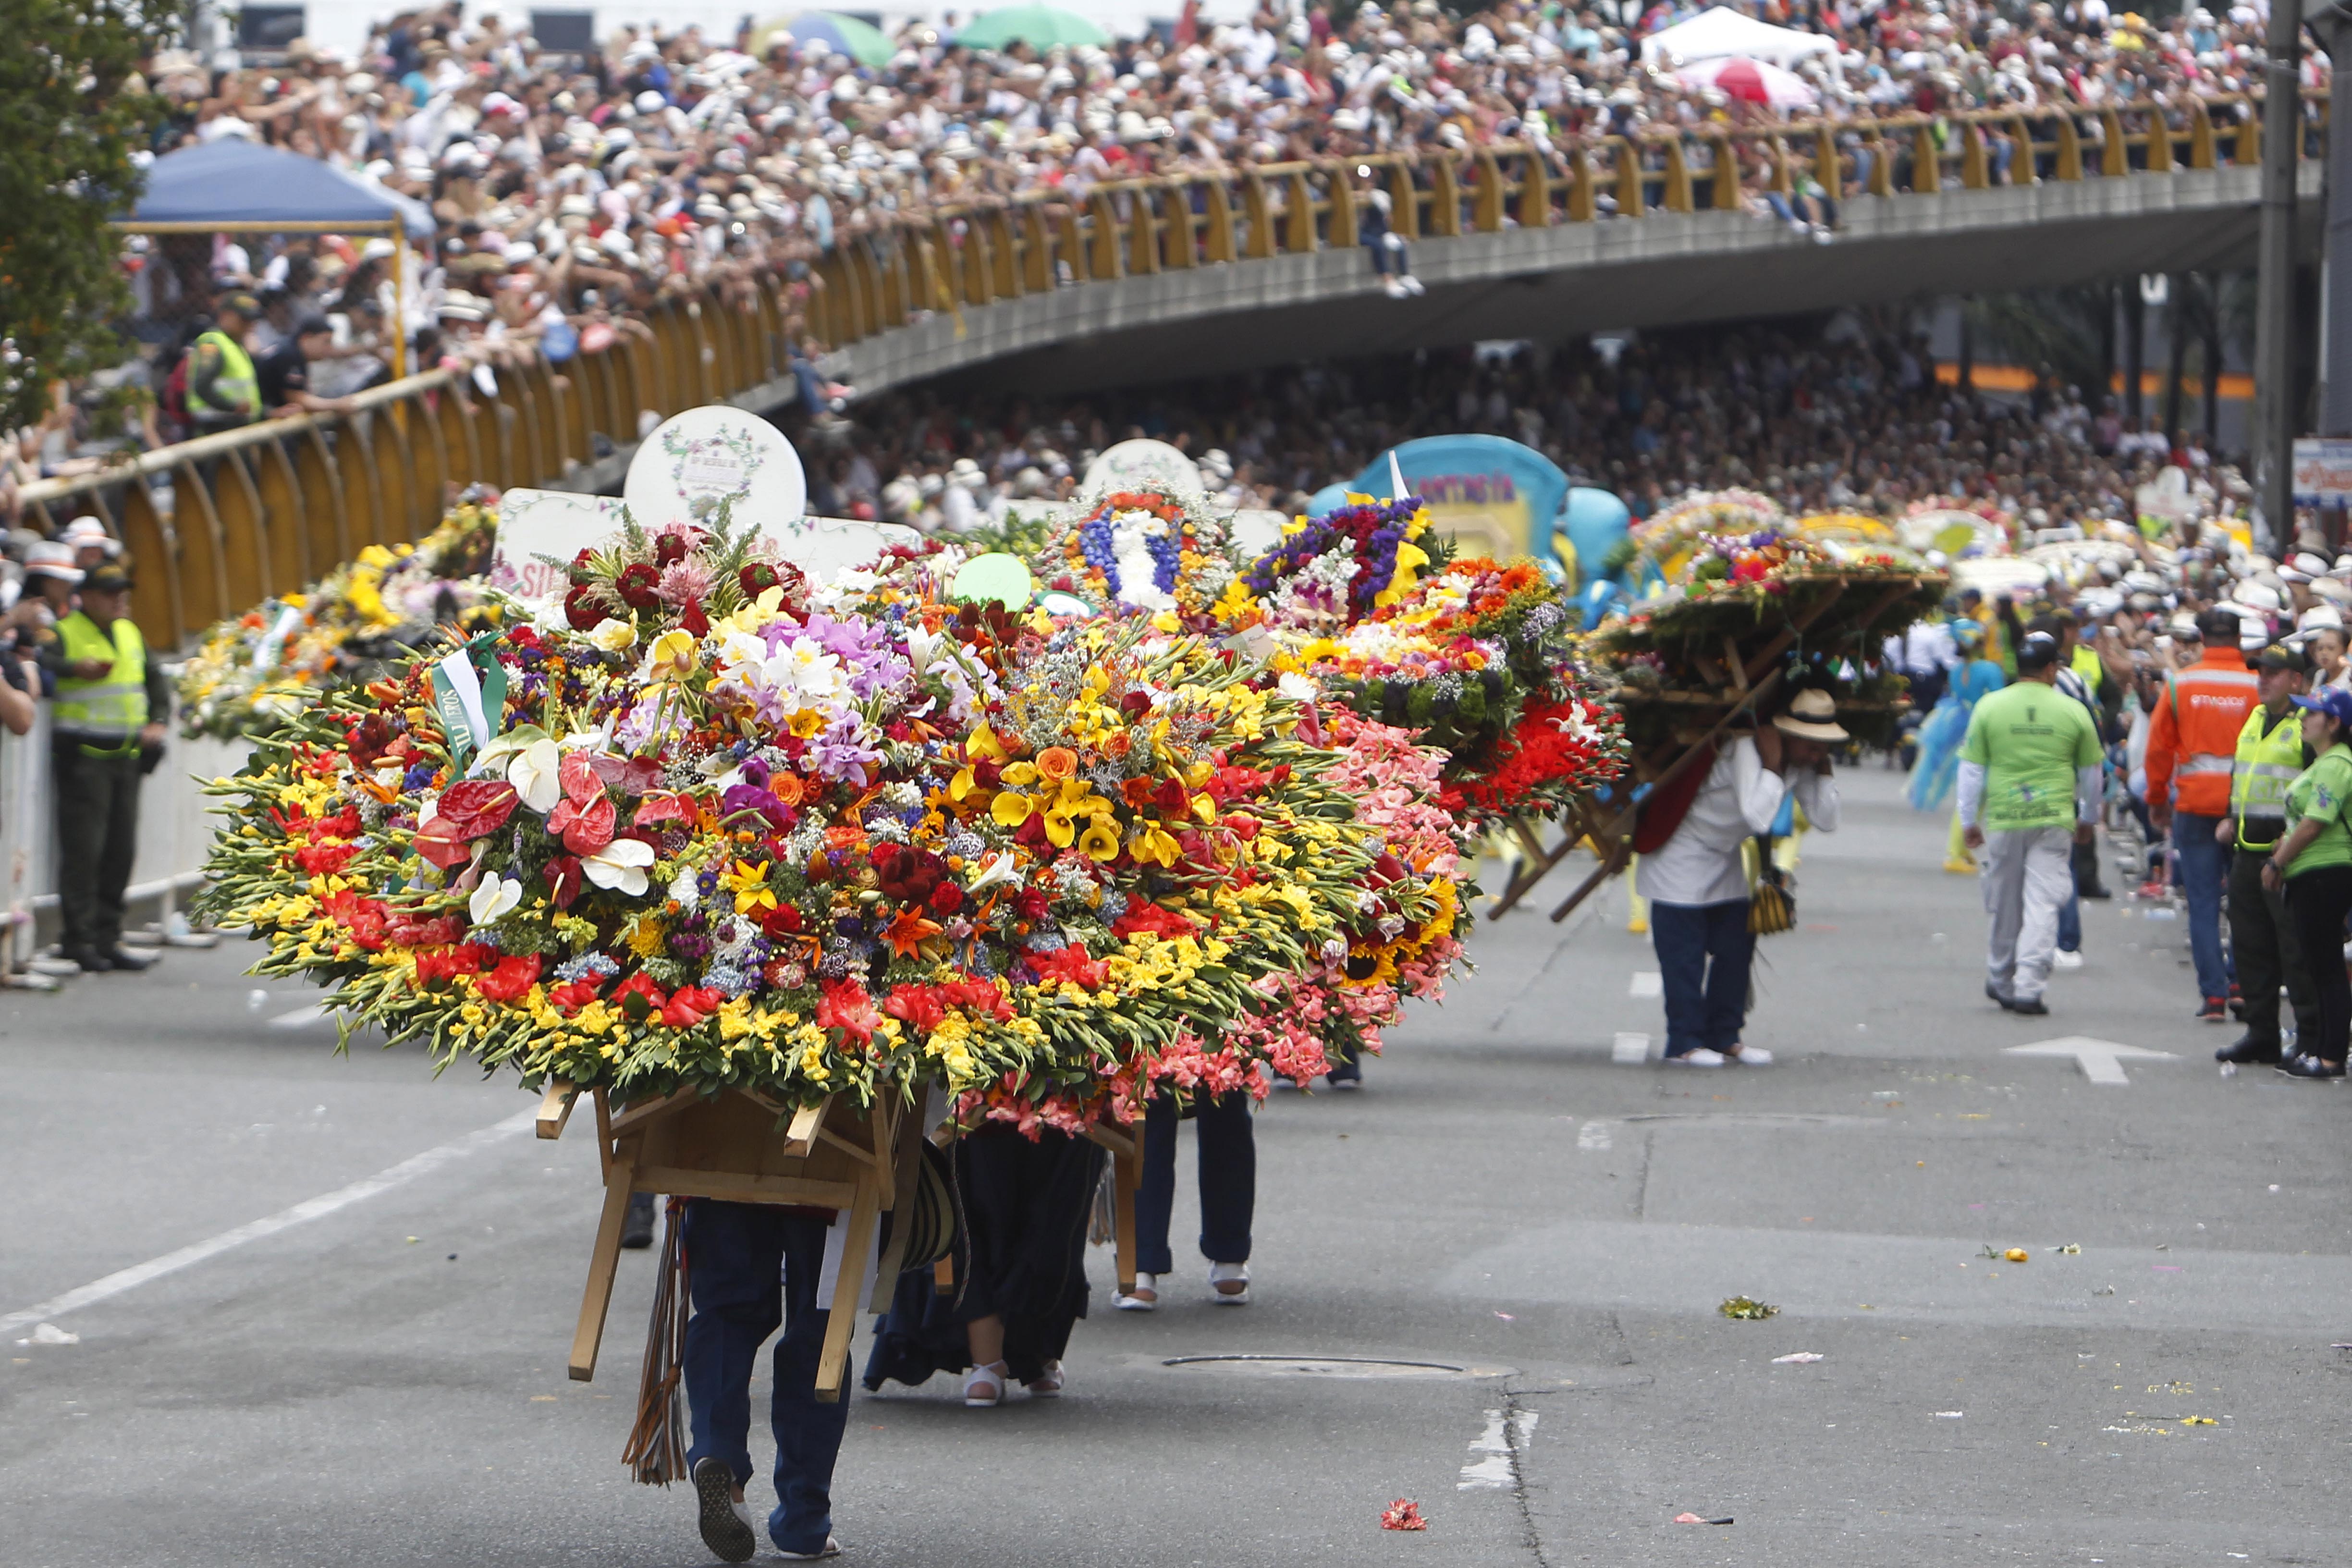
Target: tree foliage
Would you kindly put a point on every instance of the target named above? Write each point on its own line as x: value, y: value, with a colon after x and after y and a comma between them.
x: 69, y: 129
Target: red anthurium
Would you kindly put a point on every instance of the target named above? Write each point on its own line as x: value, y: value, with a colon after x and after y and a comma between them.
x: 563, y: 876
x: 478, y: 807
x: 584, y: 828
x: 663, y: 806
x: 577, y: 773
x: 441, y: 843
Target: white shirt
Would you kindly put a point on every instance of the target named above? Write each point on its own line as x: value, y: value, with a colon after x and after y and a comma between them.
x: 1700, y: 864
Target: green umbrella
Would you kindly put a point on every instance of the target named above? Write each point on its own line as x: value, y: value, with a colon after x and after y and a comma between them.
x: 1039, y: 27
x: 861, y: 41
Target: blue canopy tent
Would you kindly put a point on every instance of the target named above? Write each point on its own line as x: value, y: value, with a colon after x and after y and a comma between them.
x: 232, y: 184
x: 236, y: 186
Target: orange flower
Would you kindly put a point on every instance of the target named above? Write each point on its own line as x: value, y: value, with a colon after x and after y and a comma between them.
x: 1138, y: 792
x: 786, y: 787
x: 1116, y: 743
x: 1057, y: 762
x: 907, y: 933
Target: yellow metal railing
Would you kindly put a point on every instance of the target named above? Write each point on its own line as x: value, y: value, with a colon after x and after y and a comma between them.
x: 268, y: 509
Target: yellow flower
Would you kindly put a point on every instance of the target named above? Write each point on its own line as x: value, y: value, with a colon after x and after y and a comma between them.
x: 1021, y: 773
x: 672, y: 656
x: 1010, y: 809
x: 1150, y: 842
x: 982, y: 742
x: 1100, y: 842
x: 749, y: 883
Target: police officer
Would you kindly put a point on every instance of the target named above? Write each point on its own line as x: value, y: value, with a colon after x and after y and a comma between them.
x: 2271, y: 753
x: 107, y: 719
x: 224, y: 388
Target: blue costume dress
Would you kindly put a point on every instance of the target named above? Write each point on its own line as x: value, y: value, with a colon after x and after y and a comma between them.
x: 1946, y: 728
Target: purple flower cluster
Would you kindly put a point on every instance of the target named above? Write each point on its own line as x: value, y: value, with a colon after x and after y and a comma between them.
x: 1375, y: 530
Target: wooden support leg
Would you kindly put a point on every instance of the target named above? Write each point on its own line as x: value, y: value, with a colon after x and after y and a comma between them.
x: 1126, y: 1176
x: 833, y: 1367
x: 908, y: 1173
x: 601, y: 1265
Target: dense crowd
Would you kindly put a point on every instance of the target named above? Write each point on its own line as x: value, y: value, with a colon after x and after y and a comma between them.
x: 569, y: 192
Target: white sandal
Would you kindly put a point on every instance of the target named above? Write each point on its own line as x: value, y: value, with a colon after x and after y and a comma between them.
x: 1047, y: 1383
x: 1224, y: 1274
x: 1144, y: 1297
x: 983, y: 1387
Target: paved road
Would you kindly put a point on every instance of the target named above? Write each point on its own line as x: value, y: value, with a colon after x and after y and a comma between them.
x: 381, y: 1380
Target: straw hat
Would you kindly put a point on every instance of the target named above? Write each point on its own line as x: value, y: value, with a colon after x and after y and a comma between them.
x: 1812, y: 716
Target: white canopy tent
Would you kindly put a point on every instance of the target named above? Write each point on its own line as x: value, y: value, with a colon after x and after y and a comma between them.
x: 1721, y: 33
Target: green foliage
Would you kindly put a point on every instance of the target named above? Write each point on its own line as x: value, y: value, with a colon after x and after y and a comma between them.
x: 67, y: 129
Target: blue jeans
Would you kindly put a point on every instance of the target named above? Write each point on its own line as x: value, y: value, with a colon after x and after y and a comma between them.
x: 751, y: 1266
x: 2204, y: 872
x: 1704, y: 951
x: 1228, y: 1156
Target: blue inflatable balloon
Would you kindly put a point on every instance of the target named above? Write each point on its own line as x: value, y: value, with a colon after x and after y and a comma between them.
x: 1598, y: 599
x: 1327, y: 501
x: 1594, y: 521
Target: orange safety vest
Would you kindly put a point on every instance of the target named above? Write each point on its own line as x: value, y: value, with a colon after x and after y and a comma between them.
x: 2193, y: 736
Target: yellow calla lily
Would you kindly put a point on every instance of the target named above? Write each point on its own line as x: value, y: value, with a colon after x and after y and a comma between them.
x: 1021, y: 773
x: 1150, y: 843
x: 1100, y: 842
x: 982, y: 742
x: 963, y: 785
x: 1010, y: 809
x: 1061, y: 827
x: 1410, y: 558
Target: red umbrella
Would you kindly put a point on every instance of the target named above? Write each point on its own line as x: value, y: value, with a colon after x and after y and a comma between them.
x: 1752, y: 80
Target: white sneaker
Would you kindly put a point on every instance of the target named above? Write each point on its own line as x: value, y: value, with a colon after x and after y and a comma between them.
x: 1413, y: 285
x: 1145, y: 1297
x: 1699, y: 1058
x: 1224, y: 1274
x: 832, y: 1548
x: 2062, y: 959
x: 1750, y: 1057
x: 1394, y: 285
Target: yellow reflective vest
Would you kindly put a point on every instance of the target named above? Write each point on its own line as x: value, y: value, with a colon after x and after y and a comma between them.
x: 111, y: 710
x: 2265, y: 764
x: 238, y: 388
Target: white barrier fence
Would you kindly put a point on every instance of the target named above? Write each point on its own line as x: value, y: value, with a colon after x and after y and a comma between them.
x: 175, y: 828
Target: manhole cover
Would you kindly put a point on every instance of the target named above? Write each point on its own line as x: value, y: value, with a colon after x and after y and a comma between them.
x: 1318, y: 1366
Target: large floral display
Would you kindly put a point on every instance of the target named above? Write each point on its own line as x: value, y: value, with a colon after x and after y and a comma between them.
x: 255, y: 672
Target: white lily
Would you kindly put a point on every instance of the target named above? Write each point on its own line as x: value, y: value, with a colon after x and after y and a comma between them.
x: 620, y: 866
x: 533, y: 772
x: 998, y: 868
x: 685, y: 890
x: 493, y: 899
x: 921, y: 645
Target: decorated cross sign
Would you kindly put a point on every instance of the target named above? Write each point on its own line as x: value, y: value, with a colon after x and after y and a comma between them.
x: 1143, y: 465
x: 699, y: 460
x: 534, y: 524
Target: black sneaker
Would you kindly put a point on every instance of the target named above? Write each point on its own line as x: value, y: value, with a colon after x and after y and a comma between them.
x: 727, y: 1532
x: 2248, y: 1051
x: 2213, y: 1010
x: 638, y: 1229
x: 2311, y: 1067
x: 131, y: 962
x: 92, y: 961
x: 2031, y: 1007
x: 1994, y: 993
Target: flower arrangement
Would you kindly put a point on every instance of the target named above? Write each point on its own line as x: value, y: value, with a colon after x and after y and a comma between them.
x: 1665, y: 542
x: 733, y: 831
x: 1338, y: 569
x: 253, y: 674
x: 1141, y: 552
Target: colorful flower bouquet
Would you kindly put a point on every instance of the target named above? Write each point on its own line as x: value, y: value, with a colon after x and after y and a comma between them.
x: 734, y: 832
x: 1141, y: 552
x: 254, y: 673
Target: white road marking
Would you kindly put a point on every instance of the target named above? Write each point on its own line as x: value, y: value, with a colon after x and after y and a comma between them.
x: 1630, y: 1051
x: 1495, y: 1472
x: 1647, y: 983
x: 384, y: 1181
x: 2101, y: 1060
x: 1592, y: 1138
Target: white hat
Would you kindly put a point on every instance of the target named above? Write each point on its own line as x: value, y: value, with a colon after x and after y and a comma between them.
x: 2304, y: 567
x: 1811, y: 717
x: 52, y: 560
x: 2314, y: 620
x: 86, y: 530
x: 2255, y: 598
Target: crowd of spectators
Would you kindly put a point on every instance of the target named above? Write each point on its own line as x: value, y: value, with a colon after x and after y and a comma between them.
x: 570, y: 191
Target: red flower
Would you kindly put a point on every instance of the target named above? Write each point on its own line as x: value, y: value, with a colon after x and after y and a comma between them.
x: 784, y: 920
x: 475, y: 808
x: 669, y: 550
x: 583, y: 829
x: 1070, y: 964
x: 920, y: 1008
x: 757, y: 579
x: 690, y: 1005
x: 845, y: 1005
x: 562, y: 874
x: 582, y: 609
x: 692, y: 619
x: 1147, y: 917
x: 946, y: 899
x: 572, y: 995
x: 324, y: 859
x: 639, y: 587
x: 510, y: 979
x: 639, y: 998
x: 438, y: 841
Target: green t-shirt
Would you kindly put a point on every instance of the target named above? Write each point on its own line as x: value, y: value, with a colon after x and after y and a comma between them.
x: 2322, y: 791
x: 2030, y: 738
